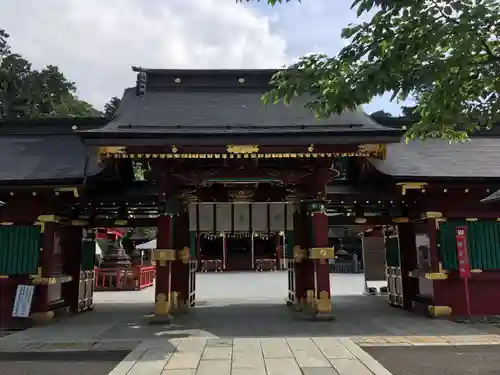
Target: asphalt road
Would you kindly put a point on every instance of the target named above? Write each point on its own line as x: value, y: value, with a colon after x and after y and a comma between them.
x: 59, y: 363
x: 438, y: 360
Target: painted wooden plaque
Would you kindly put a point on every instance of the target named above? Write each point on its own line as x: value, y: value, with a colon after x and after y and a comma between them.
x: 277, y: 217
x: 206, y: 217
x: 241, y: 217
x: 259, y: 217
x: 223, y: 219
x: 192, y: 217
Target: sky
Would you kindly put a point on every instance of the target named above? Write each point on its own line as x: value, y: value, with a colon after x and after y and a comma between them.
x: 95, y: 42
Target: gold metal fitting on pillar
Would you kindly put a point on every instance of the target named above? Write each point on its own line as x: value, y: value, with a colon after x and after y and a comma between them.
x: 162, y: 256
x: 322, y: 253
x: 299, y: 254
x: 162, y: 305
x: 183, y: 255
x: 310, y: 305
x: 324, y: 303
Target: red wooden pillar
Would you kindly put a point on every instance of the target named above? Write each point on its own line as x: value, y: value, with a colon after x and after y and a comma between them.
x: 409, y: 262
x: 320, y: 253
x: 304, y: 271
x: 71, y: 247
x: 41, y: 310
x: 180, y: 267
x: 163, y: 256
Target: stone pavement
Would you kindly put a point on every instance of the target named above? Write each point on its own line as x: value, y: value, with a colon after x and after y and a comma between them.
x: 249, y: 356
x: 231, y: 307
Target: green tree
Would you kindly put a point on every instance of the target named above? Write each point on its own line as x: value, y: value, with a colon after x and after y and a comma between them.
x: 111, y: 107
x: 28, y: 93
x: 443, y: 53
x: 381, y: 113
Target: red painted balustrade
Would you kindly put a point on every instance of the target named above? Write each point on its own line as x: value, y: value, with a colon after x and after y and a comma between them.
x: 135, y: 278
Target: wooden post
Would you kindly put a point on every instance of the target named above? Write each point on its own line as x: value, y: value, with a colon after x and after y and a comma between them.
x: 41, y: 311
x: 409, y: 262
x: 320, y: 253
x: 163, y: 256
x: 180, y: 266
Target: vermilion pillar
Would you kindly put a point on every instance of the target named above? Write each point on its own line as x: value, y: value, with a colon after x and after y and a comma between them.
x: 303, y: 266
x: 180, y: 267
x: 163, y: 256
x: 41, y: 311
x: 320, y: 253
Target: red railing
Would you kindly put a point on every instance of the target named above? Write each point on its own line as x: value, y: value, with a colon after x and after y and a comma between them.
x: 135, y: 278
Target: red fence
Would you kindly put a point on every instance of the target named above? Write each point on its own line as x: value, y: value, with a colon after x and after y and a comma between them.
x: 136, y: 278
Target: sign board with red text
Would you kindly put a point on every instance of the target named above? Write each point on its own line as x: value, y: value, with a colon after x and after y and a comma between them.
x: 462, y: 253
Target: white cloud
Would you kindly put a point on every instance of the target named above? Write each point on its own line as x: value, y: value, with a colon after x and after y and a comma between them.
x: 95, y: 42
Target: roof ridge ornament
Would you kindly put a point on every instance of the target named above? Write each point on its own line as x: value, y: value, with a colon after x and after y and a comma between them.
x: 141, y: 83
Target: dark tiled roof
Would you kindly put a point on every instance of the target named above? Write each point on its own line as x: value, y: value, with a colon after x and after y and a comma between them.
x: 493, y: 198
x: 479, y: 158
x: 215, y: 102
x: 54, y: 153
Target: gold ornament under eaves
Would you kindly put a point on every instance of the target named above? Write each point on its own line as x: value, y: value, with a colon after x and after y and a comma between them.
x: 242, y: 149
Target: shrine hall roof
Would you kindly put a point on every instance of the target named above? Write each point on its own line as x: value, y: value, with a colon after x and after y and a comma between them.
x: 45, y: 150
x: 438, y: 158
x: 223, y: 104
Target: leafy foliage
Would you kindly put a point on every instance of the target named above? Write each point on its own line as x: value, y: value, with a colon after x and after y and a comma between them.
x: 111, y: 107
x: 443, y: 53
x: 381, y: 113
x: 28, y: 93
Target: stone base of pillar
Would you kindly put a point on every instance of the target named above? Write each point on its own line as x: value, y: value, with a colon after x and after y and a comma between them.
x: 160, y: 319
x: 42, y: 317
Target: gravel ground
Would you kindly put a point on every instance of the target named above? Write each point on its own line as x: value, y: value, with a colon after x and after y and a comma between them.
x: 438, y: 360
x: 59, y: 363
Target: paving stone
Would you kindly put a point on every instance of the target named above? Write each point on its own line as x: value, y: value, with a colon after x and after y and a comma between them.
x: 178, y: 372
x: 248, y: 360
x: 332, y: 348
x: 283, y: 366
x: 128, y: 362
x: 183, y: 360
x: 192, y: 345
x: 213, y: 367
x: 275, y: 348
x: 152, y: 362
x: 248, y: 371
x: 219, y: 342
x: 222, y: 352
x: 307, y: 358
x: 319, y: 371
x: 246, y: 345
x: 349, y: 367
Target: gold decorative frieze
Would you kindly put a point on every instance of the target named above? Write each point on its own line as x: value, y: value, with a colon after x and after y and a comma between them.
x: 374, y: 150
x: 400, y: 220
x: 68, y: 189
x: 162, y: 256
x: 234, y: 155
x: 242, y: 149
x: 432, y: 215
x: 321, y: 253
x: 405, y: 186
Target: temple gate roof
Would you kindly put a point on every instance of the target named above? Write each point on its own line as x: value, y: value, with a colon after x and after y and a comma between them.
x: 46, y: 150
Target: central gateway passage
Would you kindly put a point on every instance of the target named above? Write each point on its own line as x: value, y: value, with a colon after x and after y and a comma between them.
x: 240, y: 236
